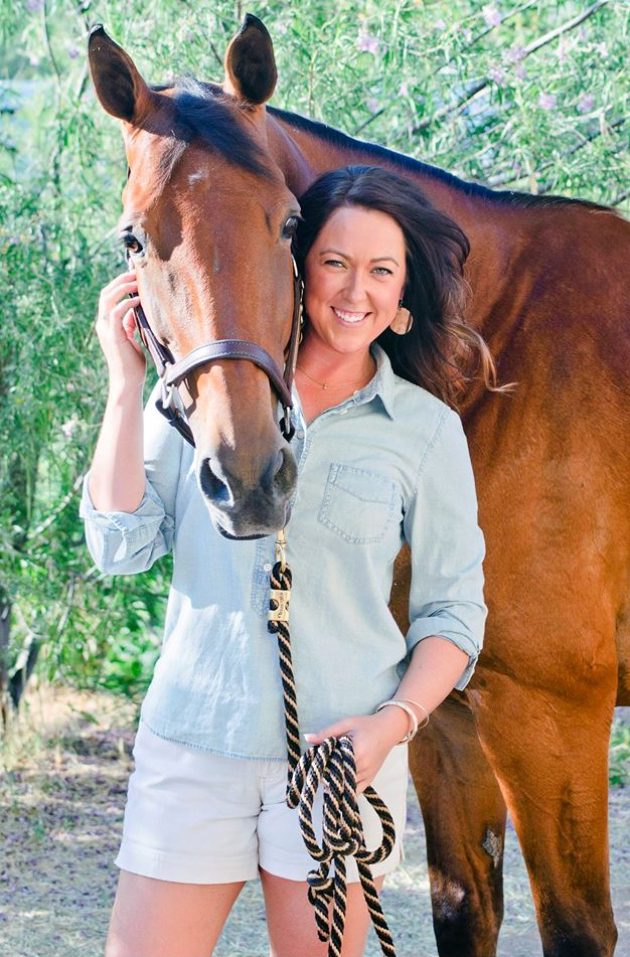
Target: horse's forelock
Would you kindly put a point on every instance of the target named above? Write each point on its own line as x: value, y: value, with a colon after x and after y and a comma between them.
x: 204, y: 113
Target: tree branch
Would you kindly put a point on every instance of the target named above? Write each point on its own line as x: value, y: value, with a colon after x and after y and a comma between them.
x: 479, y: 85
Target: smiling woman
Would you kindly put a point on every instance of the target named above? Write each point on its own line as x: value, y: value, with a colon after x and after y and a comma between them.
x: 382, y: 264
x: 381, y: 462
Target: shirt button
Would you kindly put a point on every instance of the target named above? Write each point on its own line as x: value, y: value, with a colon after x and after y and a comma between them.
x: 300, y: 433
x: 267, y: 567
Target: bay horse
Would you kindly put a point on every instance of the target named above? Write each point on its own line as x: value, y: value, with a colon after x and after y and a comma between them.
x: 214, y: 177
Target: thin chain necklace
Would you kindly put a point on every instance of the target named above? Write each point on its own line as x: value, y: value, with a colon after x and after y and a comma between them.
x: 327, y: 385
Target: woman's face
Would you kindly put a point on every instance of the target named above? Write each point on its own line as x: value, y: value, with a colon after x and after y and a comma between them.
x: 354, y: 278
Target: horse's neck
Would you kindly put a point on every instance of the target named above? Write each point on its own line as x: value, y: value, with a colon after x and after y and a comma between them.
x: 305, y: 149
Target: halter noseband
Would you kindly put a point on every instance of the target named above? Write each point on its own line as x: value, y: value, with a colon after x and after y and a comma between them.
x: 172, y: 373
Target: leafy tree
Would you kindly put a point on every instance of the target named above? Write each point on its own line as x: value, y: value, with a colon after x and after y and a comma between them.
x: 525, y: 95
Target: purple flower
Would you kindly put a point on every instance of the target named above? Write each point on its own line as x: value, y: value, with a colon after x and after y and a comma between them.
x: 73, y: 52
x: 34, y: 5
x: 373, y: 105
x: 585, y: 103
x: 403, y: 89
x: 515, y: 54
x: 547, y: 101
x: 367, y: 43
x: 497, y: 75
x: 439, y: 25
x: 492, y: 15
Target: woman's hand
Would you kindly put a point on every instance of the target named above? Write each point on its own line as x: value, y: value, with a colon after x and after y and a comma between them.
x: 373, y: 737
x: 115, y: 327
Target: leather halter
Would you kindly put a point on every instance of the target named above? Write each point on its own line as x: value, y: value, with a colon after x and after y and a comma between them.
x: 172, y: 372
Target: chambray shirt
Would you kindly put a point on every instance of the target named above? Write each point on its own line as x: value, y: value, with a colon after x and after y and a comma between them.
x: 390, y: 464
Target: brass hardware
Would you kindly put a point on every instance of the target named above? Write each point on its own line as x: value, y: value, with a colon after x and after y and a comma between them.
x: 279, y: 605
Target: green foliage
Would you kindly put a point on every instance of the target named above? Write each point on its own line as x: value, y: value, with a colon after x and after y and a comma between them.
x: 619, y: 770
x: 519, y: 95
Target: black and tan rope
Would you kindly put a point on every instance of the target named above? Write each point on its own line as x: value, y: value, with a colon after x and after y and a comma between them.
x: 331, y: 766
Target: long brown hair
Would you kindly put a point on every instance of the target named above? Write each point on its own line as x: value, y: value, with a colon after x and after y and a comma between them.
x: 440, y: 352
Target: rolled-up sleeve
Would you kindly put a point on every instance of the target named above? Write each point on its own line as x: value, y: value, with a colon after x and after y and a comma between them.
x: 447, y: 547
x: 123, y: 543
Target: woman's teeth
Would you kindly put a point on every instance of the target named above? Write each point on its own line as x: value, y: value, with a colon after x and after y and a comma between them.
x: 349, y: 316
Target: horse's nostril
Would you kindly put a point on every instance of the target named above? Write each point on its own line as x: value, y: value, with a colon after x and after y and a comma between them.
x: 285, y: 474
x: 212, y: 485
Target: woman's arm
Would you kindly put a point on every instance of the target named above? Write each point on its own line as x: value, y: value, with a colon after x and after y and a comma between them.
x: 129, y: 496
x: 117, y: 479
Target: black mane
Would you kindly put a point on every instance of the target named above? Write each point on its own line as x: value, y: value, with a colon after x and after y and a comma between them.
x: 202, y: 113
x: 380, y: 154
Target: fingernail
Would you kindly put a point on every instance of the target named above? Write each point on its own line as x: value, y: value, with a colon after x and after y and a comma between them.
x: 309, y: 737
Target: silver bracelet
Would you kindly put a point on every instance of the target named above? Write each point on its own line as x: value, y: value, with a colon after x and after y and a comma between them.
x: 413, y: 721
x: 417, y: 704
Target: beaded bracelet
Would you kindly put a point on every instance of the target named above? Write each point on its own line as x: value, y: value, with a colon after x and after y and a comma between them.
x: 413, y: 721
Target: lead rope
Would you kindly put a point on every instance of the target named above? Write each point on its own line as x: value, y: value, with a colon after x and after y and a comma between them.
x: 329, y: 765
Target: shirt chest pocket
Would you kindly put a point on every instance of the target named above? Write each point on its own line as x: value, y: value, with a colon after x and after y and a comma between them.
x: 358, y: 504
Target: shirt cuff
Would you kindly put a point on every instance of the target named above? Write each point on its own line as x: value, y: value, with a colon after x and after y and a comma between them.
x: 443, y: 628
x: 116, y: 537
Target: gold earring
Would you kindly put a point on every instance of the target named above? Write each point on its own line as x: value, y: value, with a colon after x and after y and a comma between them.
x: 402, y: 322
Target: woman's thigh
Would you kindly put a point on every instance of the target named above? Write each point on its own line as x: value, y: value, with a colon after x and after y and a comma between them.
x: 154, y: 918
x: 291, y: 919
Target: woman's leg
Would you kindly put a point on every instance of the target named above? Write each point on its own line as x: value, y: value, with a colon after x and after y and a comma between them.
x: 291, y: 919
x: 154, y: 918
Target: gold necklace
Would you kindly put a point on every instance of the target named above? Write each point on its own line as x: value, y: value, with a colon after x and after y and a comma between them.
x: 326, y: 385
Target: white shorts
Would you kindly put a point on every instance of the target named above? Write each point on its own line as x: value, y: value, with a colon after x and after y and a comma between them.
x: 197, y: 817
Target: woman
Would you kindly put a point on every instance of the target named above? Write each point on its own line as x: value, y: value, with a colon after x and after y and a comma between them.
x: 381, y: 460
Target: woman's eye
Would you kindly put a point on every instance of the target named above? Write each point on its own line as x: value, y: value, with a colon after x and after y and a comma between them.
x: 383, y: 271
x: 290, y: 227
x: 333, y: 262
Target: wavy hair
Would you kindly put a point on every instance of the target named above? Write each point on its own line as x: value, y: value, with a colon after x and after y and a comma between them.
x: 441, y: 352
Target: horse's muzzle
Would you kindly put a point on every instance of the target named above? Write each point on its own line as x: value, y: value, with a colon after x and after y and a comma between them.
x: 245, y: 506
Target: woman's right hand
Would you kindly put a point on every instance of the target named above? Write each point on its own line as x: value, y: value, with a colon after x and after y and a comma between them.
x: 115, y: 327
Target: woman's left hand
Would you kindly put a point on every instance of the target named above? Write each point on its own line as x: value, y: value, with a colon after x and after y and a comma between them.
x: 373, y: 737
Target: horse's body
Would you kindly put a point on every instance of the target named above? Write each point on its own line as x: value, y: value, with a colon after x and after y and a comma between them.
x: 549, y: 283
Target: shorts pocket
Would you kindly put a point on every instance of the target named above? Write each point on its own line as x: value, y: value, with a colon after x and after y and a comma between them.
x: 358, y: 504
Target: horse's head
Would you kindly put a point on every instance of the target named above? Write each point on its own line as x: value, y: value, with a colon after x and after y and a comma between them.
x: 207, y: 224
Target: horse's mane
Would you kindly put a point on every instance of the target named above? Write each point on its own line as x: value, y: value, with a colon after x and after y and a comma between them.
x: 202, y: 112
x: 382, y: 154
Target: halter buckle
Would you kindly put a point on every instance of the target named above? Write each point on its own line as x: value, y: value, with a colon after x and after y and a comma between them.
x: 168, y: 395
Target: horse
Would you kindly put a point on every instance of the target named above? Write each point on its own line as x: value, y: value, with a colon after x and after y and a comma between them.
x: 209, y: 208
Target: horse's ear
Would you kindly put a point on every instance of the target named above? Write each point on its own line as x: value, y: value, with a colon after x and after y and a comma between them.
x: 250, y: 66
x: 117, y: 82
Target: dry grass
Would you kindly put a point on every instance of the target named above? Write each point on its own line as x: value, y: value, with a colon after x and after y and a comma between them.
x: 61, y: 801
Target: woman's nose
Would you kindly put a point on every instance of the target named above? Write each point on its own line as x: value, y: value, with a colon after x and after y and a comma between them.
x: 355, y: 286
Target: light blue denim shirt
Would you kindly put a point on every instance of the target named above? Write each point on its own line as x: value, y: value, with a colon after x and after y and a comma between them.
x: 390, y: 464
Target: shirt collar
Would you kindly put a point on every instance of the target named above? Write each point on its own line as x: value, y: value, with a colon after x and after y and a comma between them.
x: 383, y: 383
x: 382, y: 386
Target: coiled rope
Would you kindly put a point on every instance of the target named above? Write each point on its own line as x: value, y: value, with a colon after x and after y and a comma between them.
x: 329, y: 765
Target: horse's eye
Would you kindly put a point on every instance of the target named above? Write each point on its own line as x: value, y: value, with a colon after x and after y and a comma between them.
x: 132, y: 244
x: 290, y: 227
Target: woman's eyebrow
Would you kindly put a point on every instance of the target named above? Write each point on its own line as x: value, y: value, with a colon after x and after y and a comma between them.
x: 377, y: 259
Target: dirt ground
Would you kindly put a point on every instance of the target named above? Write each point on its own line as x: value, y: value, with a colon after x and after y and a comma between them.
x: 61, y: 803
